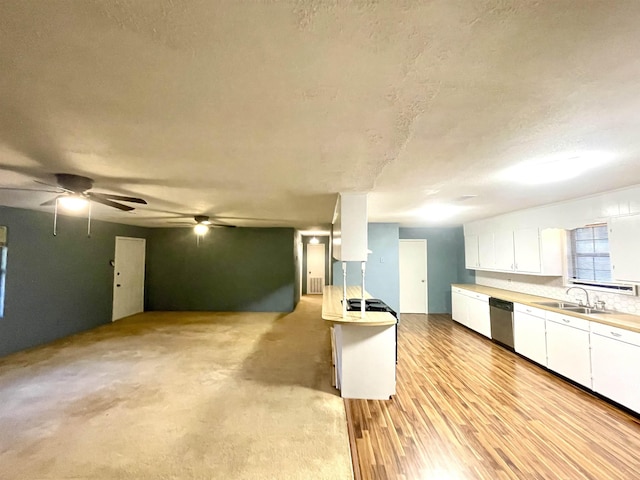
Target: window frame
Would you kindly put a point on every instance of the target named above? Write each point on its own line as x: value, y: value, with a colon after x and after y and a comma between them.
x: 572, y: 256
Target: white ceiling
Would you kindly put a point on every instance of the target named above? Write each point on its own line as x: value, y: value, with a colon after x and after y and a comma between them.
x: 260, y: 112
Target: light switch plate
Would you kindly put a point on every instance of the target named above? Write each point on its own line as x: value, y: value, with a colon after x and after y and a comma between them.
x: 3, y: 236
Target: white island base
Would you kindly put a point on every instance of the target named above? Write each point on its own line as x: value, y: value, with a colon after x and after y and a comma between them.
x: 364, y: 349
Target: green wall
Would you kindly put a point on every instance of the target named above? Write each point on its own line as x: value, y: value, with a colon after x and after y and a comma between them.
x: 445, y: 263
x: 233, y: 269
x: 56, y: 286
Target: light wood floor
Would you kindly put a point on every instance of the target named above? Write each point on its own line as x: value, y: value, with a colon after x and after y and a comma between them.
x: 466, y: 409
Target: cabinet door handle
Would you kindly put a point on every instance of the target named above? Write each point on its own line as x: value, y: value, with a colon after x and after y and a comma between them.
x: 566, y: 320
x: 616, y: 334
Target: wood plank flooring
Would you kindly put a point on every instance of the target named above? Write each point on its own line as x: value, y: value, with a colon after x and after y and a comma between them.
x: 466, y: 408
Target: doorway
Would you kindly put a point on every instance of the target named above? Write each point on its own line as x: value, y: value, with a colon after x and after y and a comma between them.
x: 413, y: 276
x: 128, y: 277
x: 315, y: 268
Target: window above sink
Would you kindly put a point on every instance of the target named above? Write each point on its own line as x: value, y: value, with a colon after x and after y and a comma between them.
x: 589, y: 263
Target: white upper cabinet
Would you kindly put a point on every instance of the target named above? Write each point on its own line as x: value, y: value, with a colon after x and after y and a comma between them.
x: 503, y: 246
x: 528, y: 251
x: 624, y: 233
x: 350, y: 228
x: 486, y: 252
x: 471, y: 256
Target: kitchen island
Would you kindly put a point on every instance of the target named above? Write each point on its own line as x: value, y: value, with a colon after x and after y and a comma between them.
x: 363, y: 347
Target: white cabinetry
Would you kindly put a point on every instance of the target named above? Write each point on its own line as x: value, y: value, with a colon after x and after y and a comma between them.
x: 568, y: 347
x: 350, y: 228
x: 479, y: 314
x: 471, y: 309
x: 471, y: 255
x: 486, y: 251
x: 503, y: 246
x: 615, y: 357
x: 459, y: 308
x: 365, y: 361
x: 529, y: 333
x: 623, y: 246
x: 527, y: 251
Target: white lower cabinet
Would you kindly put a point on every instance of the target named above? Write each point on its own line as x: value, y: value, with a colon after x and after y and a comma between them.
x: 365, y: 361
x: 615, y: 358
x: 459, y: 308
x: 471, y: 309
x: 479, y: 314
x: 529, y: 333
x: 568, y: 347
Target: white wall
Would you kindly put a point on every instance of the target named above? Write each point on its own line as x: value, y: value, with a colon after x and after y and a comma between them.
x: 570, y: 214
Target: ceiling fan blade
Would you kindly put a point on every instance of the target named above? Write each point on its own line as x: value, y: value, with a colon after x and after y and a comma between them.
x: 54, y: 186
x: 109, y: 203
x: 221, y: 225
x: 48, y: 203
x: 16, y: 189
x: 122, y: 198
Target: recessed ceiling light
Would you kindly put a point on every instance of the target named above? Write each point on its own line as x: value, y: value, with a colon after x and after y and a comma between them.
x: 555, y: 168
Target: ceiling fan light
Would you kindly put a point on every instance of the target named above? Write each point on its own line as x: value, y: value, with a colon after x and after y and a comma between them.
x: 72, y: 203
x: 201, y: 229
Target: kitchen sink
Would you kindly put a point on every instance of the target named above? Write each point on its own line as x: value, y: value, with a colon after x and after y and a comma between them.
x: 574, y: 307
x: 561, y: 305
x: 587, y: 311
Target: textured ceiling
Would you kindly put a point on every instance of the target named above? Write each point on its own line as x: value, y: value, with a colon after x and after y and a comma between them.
x: 258, y: 113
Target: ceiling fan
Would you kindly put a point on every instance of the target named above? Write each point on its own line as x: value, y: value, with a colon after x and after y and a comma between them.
x: 76, y: 189
x: 203, y: 223
x: 74, y: 194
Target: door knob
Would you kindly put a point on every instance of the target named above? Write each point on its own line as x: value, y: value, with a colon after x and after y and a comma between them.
x: 117, y: 284
x: 422, y: 281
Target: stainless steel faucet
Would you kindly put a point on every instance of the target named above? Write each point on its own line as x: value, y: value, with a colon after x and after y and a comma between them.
x: 586, y: 294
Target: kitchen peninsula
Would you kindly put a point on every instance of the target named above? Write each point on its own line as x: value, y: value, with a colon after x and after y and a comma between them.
x: 363, y: 347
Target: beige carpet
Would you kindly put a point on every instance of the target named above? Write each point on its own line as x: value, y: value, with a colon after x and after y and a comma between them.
x: 177, y: 396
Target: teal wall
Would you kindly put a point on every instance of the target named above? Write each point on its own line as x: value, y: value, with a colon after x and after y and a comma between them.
x: 445, y: 263
x: 233, y: 269
x: 382, y: 271
x: 56, y: 286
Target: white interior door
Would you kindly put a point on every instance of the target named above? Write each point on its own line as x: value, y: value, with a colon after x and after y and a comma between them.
x: 413, y: 276
x: 128, y: 277
x: 315, y: 268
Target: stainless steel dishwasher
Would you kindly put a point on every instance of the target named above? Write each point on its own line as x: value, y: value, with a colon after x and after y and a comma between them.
x: 501, y: 315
